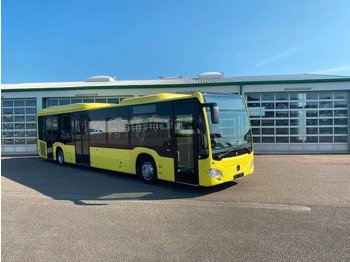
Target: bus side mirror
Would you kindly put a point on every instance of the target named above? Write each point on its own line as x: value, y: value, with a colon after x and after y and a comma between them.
x: 214, y: 112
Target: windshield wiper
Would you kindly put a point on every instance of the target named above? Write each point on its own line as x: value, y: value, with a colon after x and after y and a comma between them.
x: 249, y: 149
x: 220, y: 156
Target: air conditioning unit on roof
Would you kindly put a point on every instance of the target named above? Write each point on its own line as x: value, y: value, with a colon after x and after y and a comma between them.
x: 100, y: 79
x: 211, y: 75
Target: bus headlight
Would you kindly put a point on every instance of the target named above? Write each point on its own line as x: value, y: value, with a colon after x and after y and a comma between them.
x: 252, y: 164
x: 215, y: 173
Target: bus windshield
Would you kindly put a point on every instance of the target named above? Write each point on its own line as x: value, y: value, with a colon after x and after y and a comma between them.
x: 232, y: 135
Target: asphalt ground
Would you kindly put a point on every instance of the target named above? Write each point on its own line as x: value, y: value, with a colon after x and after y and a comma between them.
x: 293, y: 208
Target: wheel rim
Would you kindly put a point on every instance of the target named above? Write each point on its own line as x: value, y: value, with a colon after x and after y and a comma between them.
x: 147, y: 170
x: 60, y: 157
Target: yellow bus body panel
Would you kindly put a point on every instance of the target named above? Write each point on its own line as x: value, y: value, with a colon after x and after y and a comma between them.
x: 68, y: 152
x: 124, y: 160
x: 228, y: 168
x: 42, y: 145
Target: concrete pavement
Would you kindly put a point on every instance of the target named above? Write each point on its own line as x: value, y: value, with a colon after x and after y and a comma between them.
x: 293, y: 208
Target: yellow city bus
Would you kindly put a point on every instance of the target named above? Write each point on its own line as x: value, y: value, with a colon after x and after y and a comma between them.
x: 200, y: 139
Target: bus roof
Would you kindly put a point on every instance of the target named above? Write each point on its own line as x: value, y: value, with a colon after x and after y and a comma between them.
x: 73, y: 108
x: 128, y: 101
x: 153, y: 98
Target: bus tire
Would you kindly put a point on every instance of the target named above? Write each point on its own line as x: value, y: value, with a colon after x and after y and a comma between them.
x: 60, y: 157
x: 148, y: 170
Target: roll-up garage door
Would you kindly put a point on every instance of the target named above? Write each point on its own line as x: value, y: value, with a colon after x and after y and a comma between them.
x: 308, y: 122
x: 18, y: 126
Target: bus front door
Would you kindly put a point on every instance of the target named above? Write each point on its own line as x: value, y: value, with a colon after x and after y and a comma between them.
x: 186, y: 167
x: 82, y: 154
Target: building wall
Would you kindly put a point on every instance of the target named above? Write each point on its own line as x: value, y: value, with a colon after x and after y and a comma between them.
x: 295, y: 118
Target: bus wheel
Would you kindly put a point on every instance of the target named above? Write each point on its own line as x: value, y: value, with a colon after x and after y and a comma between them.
x: 148, y: 170
x: 60, y: 157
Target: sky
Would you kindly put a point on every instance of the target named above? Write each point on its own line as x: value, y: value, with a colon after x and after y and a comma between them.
x: 72, y: 40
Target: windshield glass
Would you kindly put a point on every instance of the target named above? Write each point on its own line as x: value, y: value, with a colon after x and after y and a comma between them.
x: 232, y: 133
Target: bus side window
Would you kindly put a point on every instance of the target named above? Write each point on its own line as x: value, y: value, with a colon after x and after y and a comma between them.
x: 117, y: 127
x: 41, y: 131
x: 97, y: 127
x: 65, y: 128
x: 150, y: 130
x: 51, y: 128
x: 48, y: 128
x: 55, y: 128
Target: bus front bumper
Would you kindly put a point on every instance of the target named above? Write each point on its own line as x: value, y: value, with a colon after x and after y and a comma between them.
x: 226, y: 170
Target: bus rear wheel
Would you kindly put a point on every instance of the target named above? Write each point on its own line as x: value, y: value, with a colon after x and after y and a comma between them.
x: 148, y: 170
x: 60, y: 157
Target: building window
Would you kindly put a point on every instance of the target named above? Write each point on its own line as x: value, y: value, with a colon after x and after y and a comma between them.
x: 50, y: 102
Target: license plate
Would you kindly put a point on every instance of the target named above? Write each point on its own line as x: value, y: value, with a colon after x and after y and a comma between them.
x: 238, y: 176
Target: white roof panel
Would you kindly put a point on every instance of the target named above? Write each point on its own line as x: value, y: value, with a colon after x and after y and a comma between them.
x: 234, y: 80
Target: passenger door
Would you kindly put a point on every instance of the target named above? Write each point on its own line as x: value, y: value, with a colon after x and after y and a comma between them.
x: 51, y: 131
x: 82, y: 154
x: 186, y: 152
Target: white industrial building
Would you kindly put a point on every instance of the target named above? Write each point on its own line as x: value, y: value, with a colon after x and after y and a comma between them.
x: 290, y: 114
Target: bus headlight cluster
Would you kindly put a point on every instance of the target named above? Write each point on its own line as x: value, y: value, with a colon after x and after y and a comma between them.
x: 215, y: 173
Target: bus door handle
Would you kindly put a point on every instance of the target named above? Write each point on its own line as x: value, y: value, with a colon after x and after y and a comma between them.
x: 178, y: 156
